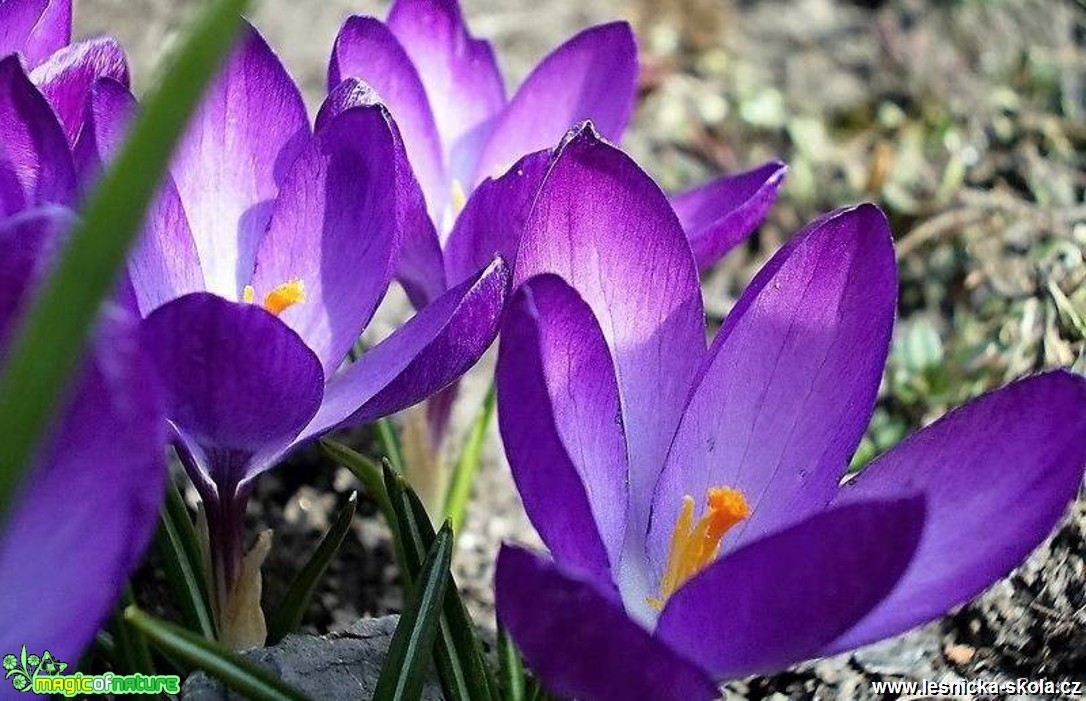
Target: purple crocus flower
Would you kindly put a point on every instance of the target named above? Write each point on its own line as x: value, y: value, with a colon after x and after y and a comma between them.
x: 466, y: 140
x: 41, y: 31
x: 265, y: 258
x: 691, y: 499
x: 80, y: 521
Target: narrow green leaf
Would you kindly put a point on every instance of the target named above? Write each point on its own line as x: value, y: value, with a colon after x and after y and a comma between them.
x: 294, y: 605
x: 463, y: 477
x: 386, y: 431
x: 512, y: 669
x: 131, y: 653
x: 458, y: 654
x: 234, y: 671
x: 404, y: 670
x: 179, y: 548
x: 48, y: 345
x: 369, y: 474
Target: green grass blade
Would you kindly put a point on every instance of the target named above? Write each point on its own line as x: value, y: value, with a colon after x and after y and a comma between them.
x: 234, y: 671
x: 386, y: 431
x: 463, y: 477
x: 369, y: 474
x: 49, y: 343
x: 294, y: 605
x: 404, y: 670
x: 512, y: 669
x: 458, y: 654
x: 179, y: 548
x: 131, y: 653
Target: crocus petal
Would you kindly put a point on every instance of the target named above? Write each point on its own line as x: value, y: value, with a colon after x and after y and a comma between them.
x: 560, y: 419
x: 163, y: 265
x: 81, y: 522
x: 35, y: 163
x: 493, y: 220
x: 580, y: 642
x: 427, y: 353
x: 66, y: 78
x: 367, y: 50
x: 997, y: 475
x: 779, y: 600
x: 28, y: 243
x: 790, y: 383
x: 601, y: 224
x: 334, y: 228
x: 591, y: 76
x: 237, y: 379
x: 721, y: 214
x: 35, y: 28
x: 237, y: 151
x: 421, y: 269
x: 459, y: 73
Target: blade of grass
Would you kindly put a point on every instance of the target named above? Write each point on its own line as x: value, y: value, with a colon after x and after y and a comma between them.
x: 49, y: 343
x: 369, y: 474
x: 179, y: 549
x: 458, y: 654
x: 131, y: 653
x: 234, y: 671
x: 404, y: 670
x: 511, y: 668
x: 386, y: 431
x: 463, y: 477
x: 296, y: 601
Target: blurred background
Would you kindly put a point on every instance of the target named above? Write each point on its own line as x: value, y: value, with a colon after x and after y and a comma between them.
x: 964, y: 119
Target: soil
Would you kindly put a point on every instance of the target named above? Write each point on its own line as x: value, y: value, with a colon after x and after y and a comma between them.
x: 965, y: 121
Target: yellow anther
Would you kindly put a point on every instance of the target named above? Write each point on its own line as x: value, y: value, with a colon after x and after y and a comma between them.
x: 694, y: 546
x: 459, y: 198
x: 281, y: 298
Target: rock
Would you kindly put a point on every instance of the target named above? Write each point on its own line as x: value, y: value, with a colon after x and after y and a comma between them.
x: 343, y: 665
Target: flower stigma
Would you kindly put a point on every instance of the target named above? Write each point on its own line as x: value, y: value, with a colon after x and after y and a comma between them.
x: 694, y: 546
x: 281, y: 298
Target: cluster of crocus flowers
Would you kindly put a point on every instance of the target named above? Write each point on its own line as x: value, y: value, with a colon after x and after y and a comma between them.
x: 692, y: 498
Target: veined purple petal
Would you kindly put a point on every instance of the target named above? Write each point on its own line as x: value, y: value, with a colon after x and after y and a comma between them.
x: 367, y: 50
x: 90, y: 505
x: 237, y: 152
x: 581, y: 643
x: 779, y: 600
x: 334, y: 228
x: 996, y: 475
x: 431, y: 350
x: 66, y: 78
x: 421, y: 269
x: 561, y: 424
x: 35, y: 163
x: 35, y: 28
x: 237, y: 379
x: 601, y: 224
x: 459, y: 72
x: 163, y: 265
x: 790, y: 383
x: 721, y: 214
x: 29, y: 241
x: 494, y: 218
x: 593, y: 76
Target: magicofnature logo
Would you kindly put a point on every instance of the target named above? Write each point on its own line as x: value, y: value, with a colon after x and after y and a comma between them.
x: 23, y: 669
x: 44, y: 674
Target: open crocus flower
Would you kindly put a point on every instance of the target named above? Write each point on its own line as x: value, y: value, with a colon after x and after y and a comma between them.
x: 265, y: 258
x: 41, y: 31
x: 447, y: 95
x: 88, y: 506
x: 691, y: 498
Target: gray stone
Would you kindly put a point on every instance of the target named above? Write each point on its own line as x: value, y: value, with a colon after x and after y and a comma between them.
x: 342, y: 665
